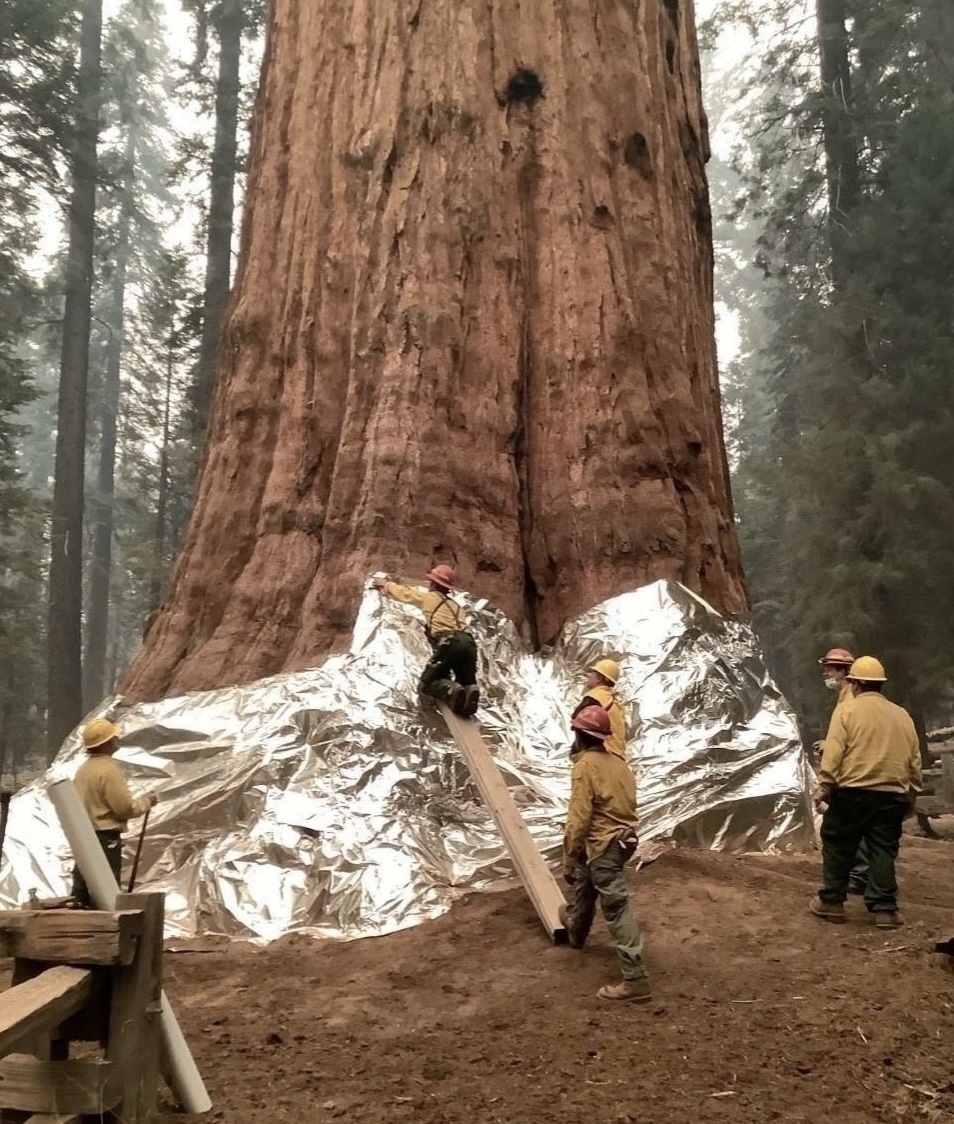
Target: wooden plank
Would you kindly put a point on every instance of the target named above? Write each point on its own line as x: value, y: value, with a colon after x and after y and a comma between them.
x: 934, y: 806
x: 41, y: 1003
x: 89, y: 1024
x: 71, y: 936
x: 46, y: 1118
x: 134, y: 1023
x: 534, y: 873
x: 75, y: 1087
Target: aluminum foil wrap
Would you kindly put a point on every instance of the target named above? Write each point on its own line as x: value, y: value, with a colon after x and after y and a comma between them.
x: 332, y: 801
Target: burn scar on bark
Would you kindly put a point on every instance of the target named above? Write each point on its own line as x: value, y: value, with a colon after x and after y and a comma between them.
x: 636, y: 154
x: 524, y: 86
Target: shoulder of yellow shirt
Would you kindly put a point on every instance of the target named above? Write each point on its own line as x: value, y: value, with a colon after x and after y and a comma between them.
x: 860, y: 704
x: 603, y: 695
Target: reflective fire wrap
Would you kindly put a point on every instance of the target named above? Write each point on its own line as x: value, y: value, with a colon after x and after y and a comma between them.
x: 333, y: 801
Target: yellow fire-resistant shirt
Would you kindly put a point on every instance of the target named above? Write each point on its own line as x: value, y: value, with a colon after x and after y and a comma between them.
x: 105, y: 794
x: 871, y: 743
x: 441, y: 614
x: 603, y: 696
x: 602, y: 806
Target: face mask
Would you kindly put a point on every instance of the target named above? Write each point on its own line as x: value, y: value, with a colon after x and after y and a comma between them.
x: 832, y: 684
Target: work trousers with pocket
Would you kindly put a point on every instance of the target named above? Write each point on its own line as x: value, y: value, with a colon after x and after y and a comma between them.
x: 859, y: 872
x: 112, y: 844
x: 603, y: 879
x: 856, y: 816
x: 455, y: 655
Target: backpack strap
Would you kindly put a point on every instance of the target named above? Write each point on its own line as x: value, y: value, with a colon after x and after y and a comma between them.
x: 457, y: 617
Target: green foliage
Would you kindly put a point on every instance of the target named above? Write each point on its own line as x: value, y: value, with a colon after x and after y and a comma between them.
x: 844, y: 442
x: 35, y: 77
x: 36, y: 71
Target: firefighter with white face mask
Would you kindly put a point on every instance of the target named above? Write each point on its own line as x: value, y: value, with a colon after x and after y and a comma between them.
x: 835, y: 665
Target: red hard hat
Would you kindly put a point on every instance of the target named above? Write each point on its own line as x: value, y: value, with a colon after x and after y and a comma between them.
x: 593, y: 720
x: 444, y: 576
x: 837, y: 657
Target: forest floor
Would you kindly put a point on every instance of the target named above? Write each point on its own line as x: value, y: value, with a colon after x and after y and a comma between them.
x: 760, y: 1011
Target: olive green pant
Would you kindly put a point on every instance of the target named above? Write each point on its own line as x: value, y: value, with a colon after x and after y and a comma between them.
x: 856, y: 816
x: 603, y: 880
x: 112, y: 844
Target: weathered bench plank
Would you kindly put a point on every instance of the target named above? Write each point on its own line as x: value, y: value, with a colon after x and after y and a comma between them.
x: 71, y: 936
x: 57, y: 1088
x: 41, y: 1003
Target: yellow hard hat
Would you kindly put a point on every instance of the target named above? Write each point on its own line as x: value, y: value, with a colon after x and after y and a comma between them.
x: 99, y: 732
x: 866, y: 669
x: 609, y: 669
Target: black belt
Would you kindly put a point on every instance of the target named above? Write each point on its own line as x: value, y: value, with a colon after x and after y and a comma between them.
x: 436, y: 637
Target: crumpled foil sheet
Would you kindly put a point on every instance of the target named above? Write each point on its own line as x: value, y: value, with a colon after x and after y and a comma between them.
x: 331, y: 801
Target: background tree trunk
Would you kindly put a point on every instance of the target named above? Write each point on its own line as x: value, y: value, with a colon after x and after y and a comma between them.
x: 101, y: 562
x: 840, y: 135
x: 228, y: 22
x: 64, y: 635
x: 162, y: 500
x: 472, y: 321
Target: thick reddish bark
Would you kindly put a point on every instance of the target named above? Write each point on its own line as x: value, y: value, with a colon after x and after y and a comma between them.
x: 472, y: 321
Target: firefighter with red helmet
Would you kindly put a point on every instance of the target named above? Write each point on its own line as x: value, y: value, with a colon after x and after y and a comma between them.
x: 835, y: 665
x: 451, y: 673
x: 599, y: 839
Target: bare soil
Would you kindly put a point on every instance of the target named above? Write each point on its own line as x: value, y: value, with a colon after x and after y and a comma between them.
x: 760, y: 1011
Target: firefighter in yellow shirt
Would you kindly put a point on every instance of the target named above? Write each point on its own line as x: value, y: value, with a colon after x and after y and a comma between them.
x: 835, y: 665
x: 451, y: 673
x: 599, y: 839
x: 106, y: 798
x: 869, y: 779
x: 600, y: 690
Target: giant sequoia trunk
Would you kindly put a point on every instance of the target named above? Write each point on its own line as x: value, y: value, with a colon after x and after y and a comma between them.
x: 472, y: 321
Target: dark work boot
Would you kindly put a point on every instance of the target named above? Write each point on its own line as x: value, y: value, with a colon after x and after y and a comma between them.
x: 468, y: 708
x: 456, y: 699
x: 573, y: 942
x: 828, y: 911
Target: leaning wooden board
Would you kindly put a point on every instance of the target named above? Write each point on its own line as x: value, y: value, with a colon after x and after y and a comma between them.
x: 534, y: 873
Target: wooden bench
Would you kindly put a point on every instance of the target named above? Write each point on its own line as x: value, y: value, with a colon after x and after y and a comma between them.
x: 82, y: 976
x: 938, y: 797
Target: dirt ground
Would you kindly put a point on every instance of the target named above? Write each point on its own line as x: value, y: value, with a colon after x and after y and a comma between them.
x: 760, y: 1013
